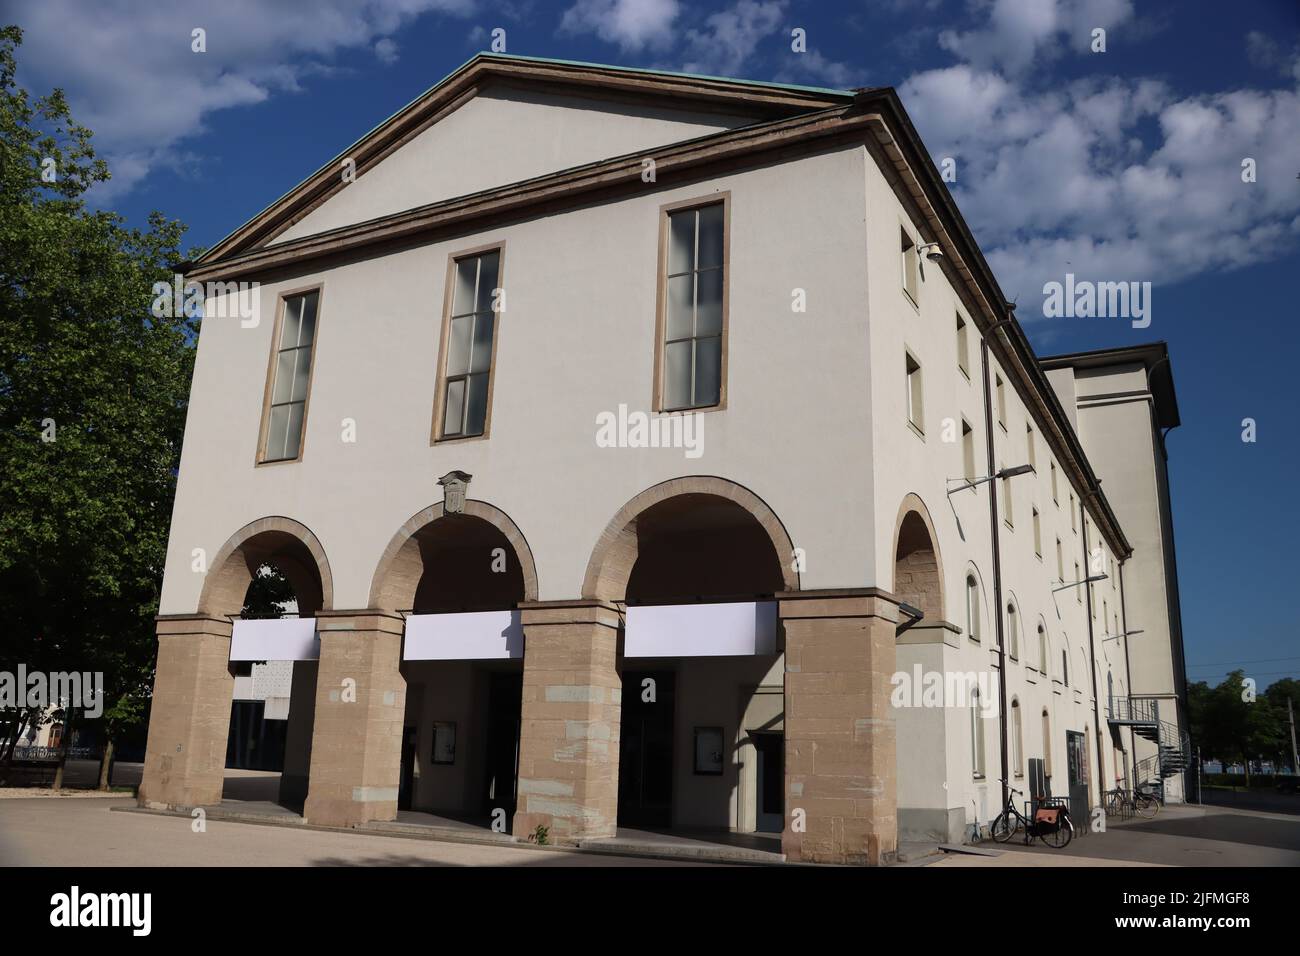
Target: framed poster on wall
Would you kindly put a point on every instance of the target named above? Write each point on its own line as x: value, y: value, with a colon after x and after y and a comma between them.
x: 708, y: 751
x: 444, y: 742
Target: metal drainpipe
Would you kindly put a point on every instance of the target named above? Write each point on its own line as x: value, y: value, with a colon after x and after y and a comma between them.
x: 1092, y: 650
x: 1128, y: 675
x: 997, y: 562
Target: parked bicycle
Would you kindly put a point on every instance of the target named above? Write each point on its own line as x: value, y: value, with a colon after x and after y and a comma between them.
x: 1119, y: 804
x: 1050, y: 823
x: 1145, y: 803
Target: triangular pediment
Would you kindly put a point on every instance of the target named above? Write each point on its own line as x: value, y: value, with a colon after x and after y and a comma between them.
x: 501, y: 120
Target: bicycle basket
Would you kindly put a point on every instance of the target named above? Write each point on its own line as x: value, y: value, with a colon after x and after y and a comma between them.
x: 1048, y: 816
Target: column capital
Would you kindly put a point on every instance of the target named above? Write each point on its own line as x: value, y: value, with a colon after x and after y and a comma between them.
x: 167, y: 624
x: 360, y: 619
x: 838, y: 603
x: 576, y: 611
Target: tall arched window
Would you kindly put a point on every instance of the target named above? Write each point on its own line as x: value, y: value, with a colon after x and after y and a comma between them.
x: 1042, y: 649
x: 1013, y: 632
x: 1065, y: 665
x: 1017, y: 740
x: 1110, y: 693
x: 976, y: 735
x: 972, y: 607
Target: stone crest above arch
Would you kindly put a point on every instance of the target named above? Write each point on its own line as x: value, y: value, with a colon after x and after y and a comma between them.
x: 610, y: 565
x: 400, y: 567
x: 290, y: 545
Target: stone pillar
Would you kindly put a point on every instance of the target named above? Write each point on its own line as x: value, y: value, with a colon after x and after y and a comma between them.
x: 572, y: 701
x: 356, y: 749
x: 840, y: 767
x: 297, y: 737
x: 189, y: 719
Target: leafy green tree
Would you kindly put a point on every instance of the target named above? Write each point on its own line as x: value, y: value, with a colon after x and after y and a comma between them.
x: 93, y: 392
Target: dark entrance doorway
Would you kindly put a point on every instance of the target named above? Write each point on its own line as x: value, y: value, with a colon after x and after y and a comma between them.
x: 406, y: 788
x: 1077, y: 750
x: 770, y: 782
x: 505, y: 693
x: 645, y: 764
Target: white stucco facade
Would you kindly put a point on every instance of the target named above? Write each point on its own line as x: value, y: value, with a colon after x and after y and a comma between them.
x: 815, y: 424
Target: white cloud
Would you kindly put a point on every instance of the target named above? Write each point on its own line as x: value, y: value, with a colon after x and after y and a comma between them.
x: 1020, y: 33
x: 131, y: 76
x: 812, y: 68
x: 386, y: 51
x: 1118, y: 179
x: 731, y: 37
x: 633, y: 25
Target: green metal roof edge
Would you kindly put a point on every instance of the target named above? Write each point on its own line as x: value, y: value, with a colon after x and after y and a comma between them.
x: 508, y: 56
x: 653, y: 72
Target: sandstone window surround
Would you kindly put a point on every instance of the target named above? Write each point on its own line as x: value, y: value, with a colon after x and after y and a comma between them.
x: 693, y: 304
x: 288, y: 377
x: 473, y: 301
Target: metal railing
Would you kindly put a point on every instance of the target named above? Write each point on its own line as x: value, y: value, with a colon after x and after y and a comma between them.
x: 1133, y: 709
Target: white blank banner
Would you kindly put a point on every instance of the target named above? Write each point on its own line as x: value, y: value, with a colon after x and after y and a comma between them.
x: 275, y: 639
x: 740, y: 629
x: 468, y: 636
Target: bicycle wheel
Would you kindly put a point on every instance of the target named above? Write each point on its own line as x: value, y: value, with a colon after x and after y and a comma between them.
x: 1005, y: 827
x: 1059, y: 838
x: 1147, y: 807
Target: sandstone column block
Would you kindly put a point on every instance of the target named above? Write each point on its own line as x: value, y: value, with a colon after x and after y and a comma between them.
x: 840, y: 761
x: 356, y: 749
x: 189, y: 720
x: 569, y: 738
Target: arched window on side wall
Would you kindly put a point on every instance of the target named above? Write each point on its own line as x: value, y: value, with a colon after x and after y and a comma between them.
x: 1042, y: 649
x: 976, y: 735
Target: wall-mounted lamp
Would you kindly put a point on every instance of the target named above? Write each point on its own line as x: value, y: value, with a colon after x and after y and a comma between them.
x: 1074, y: 584
x: 1004, y: 473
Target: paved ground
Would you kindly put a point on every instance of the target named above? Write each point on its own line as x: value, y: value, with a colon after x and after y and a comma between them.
x: 45, y: 831
x: 1179, y: 836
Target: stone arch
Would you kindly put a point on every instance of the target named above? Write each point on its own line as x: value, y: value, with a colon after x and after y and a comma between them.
x: 289, y: 545
x: 400, y: 567
x: 615, y: 553
x: 918, y: 566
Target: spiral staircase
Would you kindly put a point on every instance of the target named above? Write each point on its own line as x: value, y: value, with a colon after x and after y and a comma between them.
x: 1173, y: 747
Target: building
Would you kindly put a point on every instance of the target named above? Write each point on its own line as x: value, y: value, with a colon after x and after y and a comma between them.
x: 605, y: 423
x: 1121, y: 403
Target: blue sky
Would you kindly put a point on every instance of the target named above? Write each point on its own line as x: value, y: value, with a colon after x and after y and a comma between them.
x: 1123, y: 164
